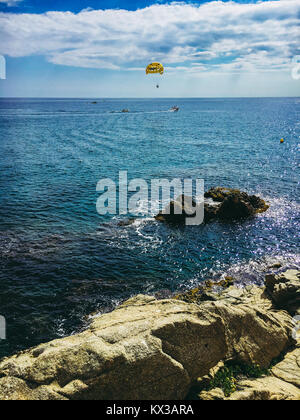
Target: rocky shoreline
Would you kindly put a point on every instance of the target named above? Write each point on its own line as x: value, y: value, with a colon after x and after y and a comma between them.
x: 217, y: 342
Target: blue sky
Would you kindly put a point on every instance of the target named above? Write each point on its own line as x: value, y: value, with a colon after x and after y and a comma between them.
x: 42, y: 6
x: 100, y: 48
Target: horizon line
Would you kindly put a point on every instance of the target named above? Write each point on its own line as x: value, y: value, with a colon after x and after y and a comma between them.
x: 145, y: 97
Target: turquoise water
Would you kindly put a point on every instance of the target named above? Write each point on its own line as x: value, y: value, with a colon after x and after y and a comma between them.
x: 60, y: 261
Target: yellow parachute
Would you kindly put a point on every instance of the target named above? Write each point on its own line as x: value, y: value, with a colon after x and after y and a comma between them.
x: 155, y: 68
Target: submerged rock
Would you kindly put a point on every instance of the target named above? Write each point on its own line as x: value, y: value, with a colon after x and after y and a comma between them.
x: 127, y: 222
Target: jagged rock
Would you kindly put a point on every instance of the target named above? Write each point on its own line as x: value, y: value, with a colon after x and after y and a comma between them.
x: 221, y: 203
x: 234, y: 204
x: 250, y: 295
x: 220, y: 194
x: 289, y: 369
x: 210, y: 212
x: 266, y: 388
x: 269, y: 332
x: 233, y: 207
x: 284, y: 289
x: 177, y: 211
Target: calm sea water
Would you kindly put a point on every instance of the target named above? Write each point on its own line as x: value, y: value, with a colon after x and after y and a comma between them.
x: 60, y: 261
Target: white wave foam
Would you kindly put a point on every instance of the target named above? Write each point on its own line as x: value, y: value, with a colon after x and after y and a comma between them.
x: 250, y: 272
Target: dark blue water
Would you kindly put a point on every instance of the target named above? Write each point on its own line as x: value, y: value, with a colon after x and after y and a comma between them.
x: 60, y: 261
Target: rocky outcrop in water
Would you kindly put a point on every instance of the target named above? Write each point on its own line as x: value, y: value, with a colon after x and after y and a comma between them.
x: 234, y: 204
x: 220, y: 204
x: 157, y: 349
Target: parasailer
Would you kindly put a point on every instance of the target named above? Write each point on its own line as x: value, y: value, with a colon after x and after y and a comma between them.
x: 155, y: 68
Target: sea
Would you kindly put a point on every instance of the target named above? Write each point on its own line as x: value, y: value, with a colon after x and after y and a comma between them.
x: 61, y: 262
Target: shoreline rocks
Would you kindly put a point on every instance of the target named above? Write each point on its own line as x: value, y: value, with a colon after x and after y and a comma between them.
x: 150, y: 349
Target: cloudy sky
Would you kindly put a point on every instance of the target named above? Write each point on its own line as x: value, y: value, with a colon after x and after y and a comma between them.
x: 89, y: 48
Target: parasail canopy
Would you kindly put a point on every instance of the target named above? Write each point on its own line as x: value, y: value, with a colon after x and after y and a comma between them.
x: 155, y: 68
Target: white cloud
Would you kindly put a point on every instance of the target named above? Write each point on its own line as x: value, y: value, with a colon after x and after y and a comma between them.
x: 11, y: 2
x: 214, y: 36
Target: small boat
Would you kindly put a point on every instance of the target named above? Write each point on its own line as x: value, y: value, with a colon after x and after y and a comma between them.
x: 174, y: 109
x: 125, y: 110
